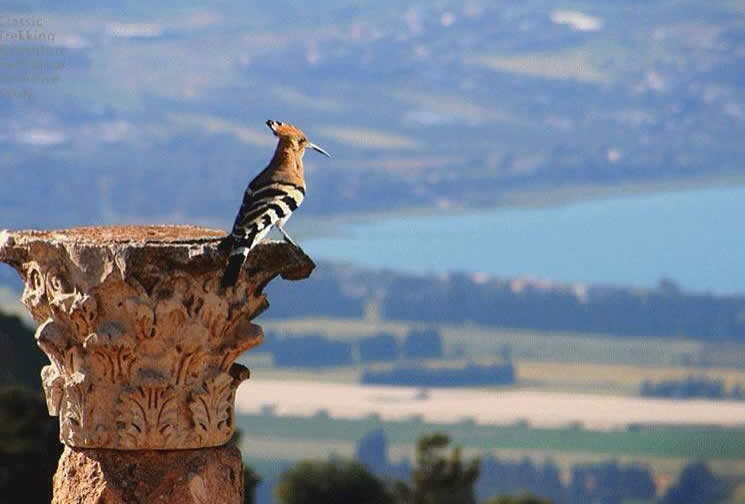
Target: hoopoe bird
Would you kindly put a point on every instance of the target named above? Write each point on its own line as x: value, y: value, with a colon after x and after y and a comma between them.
x: 270, y: 198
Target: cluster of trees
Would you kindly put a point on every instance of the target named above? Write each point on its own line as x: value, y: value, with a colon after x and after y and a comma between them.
x: 589, y: 483
x: 382, y: 347
x: 439, y: 476
x: 17, y: 340
x: 692, y: 387
x: 29, y: 437
x: 665, y: 311
x: 29, y: 446
x: 436, y: 478
x: 609, y: 483
x: 308, y: 350
x: 315, y: 350
x: 418, y: 344
x: 697, y: 485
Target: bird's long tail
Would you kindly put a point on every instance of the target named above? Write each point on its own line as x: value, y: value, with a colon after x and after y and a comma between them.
x: 239, y: 248
x: 226, y: 244
x: 233, y: 270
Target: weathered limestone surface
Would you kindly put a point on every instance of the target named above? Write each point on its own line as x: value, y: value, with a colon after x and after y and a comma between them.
x: 141, y: 342
x: 205, y: 476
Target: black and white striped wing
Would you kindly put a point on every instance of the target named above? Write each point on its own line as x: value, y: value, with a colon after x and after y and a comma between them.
x: 261, y: 209
x: 265, y: 206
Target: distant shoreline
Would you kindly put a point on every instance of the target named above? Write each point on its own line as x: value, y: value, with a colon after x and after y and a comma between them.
x: 686, y: 234
x: 518, y: 200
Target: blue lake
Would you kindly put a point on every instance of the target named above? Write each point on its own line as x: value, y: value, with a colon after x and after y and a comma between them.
x: 695, y: 237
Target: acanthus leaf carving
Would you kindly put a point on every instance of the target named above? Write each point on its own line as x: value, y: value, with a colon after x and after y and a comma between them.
x: 73, y: 417
x: 56, y: 343
x: 114, y: 350
x: 34, y: 293
x: 212, y: 410
x: 53, y: 384
x: 78, y: 426
x: 187, y: 365
x: 148, y: 417
x: 143, y: 317
x: 51, y: 294
x: 83, y: 312
x: 242, y: 335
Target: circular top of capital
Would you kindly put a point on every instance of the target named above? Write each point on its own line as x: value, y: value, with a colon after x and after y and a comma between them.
x: 99, y: 250
x: 107, y: 235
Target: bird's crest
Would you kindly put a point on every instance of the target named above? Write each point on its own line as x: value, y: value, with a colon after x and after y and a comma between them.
x: 281, y: 129
x: 289, y: 134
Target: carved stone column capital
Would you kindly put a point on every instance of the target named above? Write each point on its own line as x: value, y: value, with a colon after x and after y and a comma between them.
x: 141, y: 342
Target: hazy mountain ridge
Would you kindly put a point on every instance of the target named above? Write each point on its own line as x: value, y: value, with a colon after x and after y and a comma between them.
x: 158, y: 116
x: 520, y: 303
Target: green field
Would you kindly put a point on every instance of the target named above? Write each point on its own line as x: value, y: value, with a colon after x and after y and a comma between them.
x: 271, y: 443
x: 554, y: 361
x: 476, y: 341
x: 686, y: 442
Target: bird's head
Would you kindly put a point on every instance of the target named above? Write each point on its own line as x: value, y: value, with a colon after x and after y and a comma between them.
x: 293, y: 138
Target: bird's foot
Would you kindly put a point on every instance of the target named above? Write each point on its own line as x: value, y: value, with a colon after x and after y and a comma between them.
x: 287, y: 237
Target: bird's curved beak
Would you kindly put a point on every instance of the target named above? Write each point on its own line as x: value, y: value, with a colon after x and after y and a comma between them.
x: 317, y: 148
